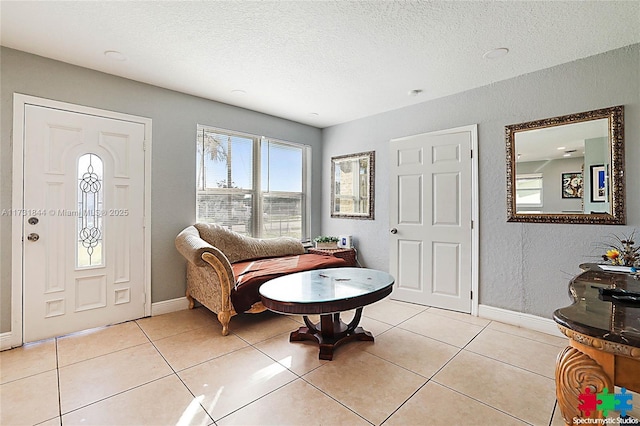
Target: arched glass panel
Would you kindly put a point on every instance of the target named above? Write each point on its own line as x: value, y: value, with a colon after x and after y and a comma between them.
x: 90, y: 198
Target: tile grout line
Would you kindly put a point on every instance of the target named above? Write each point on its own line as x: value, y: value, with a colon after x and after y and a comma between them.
x: 534, y: 340
x: 116, y: 394
x: 80, y: 333
x: 499, y: 360
x: 464, y: 348
x: 553, y: 412
x: 28, y: 375
x: 481, y: 402
x: 137, y: 386
x: 431, y: 379
x: 512, y: 365
x: 300, y: 377
x: 474, y: 337
x: 405, y: 401
x: 334, y: 399
x: 297, y: 376
x: 428, y: 378
x: 278, y: 362
x: 170, y: 335
x: 58, y: 377
x: 105, y: 354
x: 257, y: 399
x: 175, y: 373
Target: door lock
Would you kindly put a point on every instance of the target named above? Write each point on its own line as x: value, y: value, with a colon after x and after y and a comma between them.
x: 33, y: 220
x: 394, y: 231
x: 33, y: 237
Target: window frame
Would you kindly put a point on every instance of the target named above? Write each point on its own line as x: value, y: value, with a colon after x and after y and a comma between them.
x: 530, y: 176
x: 257, y: 194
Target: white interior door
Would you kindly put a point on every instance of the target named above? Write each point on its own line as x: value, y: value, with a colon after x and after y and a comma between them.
x: 431, y: 200
x: 83, y: 227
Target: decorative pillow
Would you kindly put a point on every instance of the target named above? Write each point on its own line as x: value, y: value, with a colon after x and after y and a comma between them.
x: 238, y: 247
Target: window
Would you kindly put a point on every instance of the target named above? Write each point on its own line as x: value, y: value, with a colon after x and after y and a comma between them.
x: 238, y: 175
x: 529, y: 190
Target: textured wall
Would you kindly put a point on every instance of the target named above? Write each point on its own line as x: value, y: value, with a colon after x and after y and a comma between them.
x: 523, y: 267
x: 175, y: 117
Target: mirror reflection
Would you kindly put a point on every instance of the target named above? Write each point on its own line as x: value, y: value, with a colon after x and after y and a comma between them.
x: 567, y: 169
x: 551, y: 165
x: 352, y: 186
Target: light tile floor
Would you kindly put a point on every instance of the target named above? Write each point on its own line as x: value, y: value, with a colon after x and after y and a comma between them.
x: 426, y: 367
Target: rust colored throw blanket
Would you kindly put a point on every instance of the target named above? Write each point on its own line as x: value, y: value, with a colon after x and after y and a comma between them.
x: 251, y: 274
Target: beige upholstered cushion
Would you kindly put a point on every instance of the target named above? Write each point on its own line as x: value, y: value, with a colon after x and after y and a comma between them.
x: 238, y: 247
x: 191, y: 246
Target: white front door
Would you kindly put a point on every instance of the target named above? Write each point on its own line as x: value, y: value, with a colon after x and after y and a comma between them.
x: 83, y: 225
x: 431, y: 200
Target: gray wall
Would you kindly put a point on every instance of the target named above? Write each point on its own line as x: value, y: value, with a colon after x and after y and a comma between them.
x: 174, y: 115
x: 523, y: 267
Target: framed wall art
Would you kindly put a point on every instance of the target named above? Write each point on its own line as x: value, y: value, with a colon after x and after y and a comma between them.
x: 598, y: 183
x: 572, y: 185
x: 353, y: 186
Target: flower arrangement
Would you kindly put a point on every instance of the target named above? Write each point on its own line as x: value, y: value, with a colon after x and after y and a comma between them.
x: 623, y: 252
x: 324, y: 241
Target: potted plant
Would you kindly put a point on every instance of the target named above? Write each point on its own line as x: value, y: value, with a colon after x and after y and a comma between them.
x: 326, y: 242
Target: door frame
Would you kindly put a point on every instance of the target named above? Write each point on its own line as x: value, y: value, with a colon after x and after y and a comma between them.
x: 20, y: 101
x: 475, y: 216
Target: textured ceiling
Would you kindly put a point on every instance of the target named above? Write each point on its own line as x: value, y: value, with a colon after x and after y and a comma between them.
x: 340, y: 60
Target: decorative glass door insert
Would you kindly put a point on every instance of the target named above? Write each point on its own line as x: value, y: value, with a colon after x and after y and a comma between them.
x: 90, y: 207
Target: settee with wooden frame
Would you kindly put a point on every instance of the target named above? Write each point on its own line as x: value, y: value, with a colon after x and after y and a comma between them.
x: 225, y: 269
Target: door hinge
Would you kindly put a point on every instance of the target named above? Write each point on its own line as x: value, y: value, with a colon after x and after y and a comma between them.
x: 471, y: 224
x: 144, y: 145
x: 471, y: 153
x: 471, y: 296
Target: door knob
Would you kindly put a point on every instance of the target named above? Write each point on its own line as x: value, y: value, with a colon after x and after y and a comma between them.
x: 33, y: 237
x: 394, y: 231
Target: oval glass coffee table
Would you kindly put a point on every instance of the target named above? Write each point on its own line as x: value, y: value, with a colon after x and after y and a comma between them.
x: 327, y: 292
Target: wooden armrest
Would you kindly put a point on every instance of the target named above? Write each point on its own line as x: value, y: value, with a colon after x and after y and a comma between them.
x: 222, y: 268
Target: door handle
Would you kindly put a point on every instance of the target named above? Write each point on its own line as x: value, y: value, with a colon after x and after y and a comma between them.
x: 33, y: 237
x: 394, y: 231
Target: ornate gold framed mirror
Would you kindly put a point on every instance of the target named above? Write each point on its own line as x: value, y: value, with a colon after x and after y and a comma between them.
x: 567, y: 169
x: 352, y: 185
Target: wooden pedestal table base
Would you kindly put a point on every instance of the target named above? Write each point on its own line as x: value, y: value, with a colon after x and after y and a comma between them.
x: 327, y: 292
x: 332, y: 332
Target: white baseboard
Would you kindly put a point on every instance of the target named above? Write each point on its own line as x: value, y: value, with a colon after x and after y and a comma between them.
x: 168, y: 306
x: 6, y: 341
x: 520, y: 319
